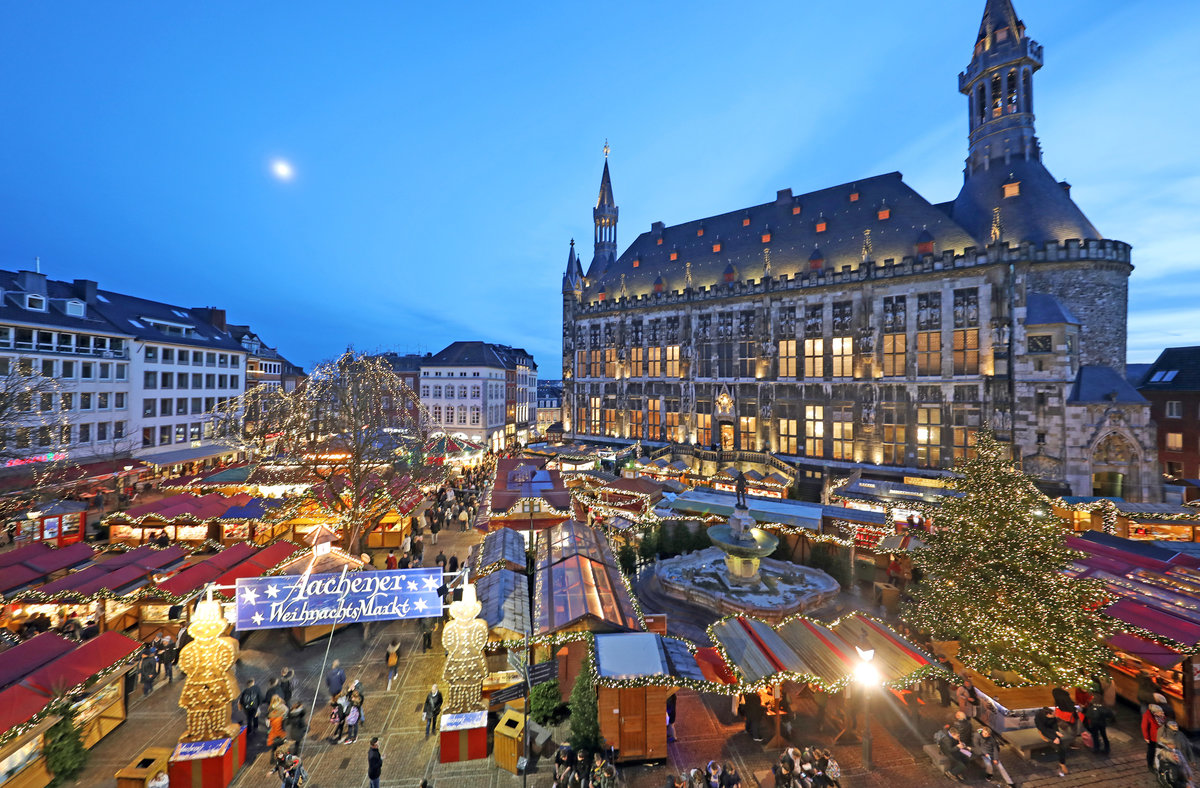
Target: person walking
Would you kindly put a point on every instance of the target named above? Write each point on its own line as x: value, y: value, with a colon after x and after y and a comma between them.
x: 431, y: 709
x: 1096, y: 718
x: 418, y: 550
x: 147, y: 670
x: 434, y: 526
x: 392, y: 562
x: 452, y: 565
x: 285, y: 684
x: 440, y: 560
x: 987, y: 749
x: 1152, y: 720
x: 426, y: 625
x: 167, y: 657
x: 276, y: 713
x: 968, y: 699
x: 270, y: 692
x: 338, y: 709
x: 297, y: 725
x: 353, y: 717
x: 1047, y: 726
x: 250, y: 700
x: 393, y: 662
x: 374, y: 763
x: 335, y: 679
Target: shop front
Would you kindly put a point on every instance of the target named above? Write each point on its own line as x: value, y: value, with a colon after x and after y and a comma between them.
x: 58, y: 523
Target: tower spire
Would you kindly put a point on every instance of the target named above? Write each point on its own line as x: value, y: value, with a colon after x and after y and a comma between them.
x: 604, y: 217
x: 998, y: 85
x: 573, y: 278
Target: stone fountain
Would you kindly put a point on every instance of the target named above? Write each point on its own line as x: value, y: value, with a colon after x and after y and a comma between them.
x: 744, y: 546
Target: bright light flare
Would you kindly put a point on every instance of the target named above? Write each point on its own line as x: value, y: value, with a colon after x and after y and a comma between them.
x: 282, y: 169
x: 867, y: 674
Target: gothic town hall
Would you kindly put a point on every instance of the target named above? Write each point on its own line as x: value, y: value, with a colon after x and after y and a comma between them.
x: 862, y: 325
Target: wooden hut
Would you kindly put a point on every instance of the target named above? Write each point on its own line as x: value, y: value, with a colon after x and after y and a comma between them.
x: 500, y: 549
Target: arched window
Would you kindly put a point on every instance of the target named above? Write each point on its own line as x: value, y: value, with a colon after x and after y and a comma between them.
x: 1010, y: 94
x: 997, y: 96
x: 980, y: 104
x: 1028, y: 91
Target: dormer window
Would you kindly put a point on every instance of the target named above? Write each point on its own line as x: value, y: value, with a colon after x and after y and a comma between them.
x: 674, y: 255
x: 700, y: 231
x: 822, y: 226
x: 1012, y: 189
x: 659, y: 241
x: 75, y: 308
x: 766, y: 237
x: 35, y: 302
x: 717, y: 247
x: 636, y: 262
x: 795, y: 210
x: 883, y: 214
x: 746, y: 221
x: 853, y: 196
x: 925, y: 247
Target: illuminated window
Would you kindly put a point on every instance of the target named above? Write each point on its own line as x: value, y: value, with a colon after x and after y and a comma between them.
x: 894, y: 354
x: 610, y: 422
x: 1174, y: 441
x: 746, y: 222
x: 821, y: 227
x: 814, y: 358
x: 795, y: 210
x: 814, y: 431
x: 594, y: 421
x: 925, y: 247
x: 700, y: 231
x: 659, y: 242
x: 787, y: 436
x: 893, y: 435
x: 674, y: 430
x: 654, y: 419
x: 884, y: 214
x: 1012, y: 189
x: 853, y: 196
x: 597, y: 363
x: 966, y: 425
x: 581, y: 370
x: 748, y: 432
x: 674, y: 255
x: 716, y: 247
x: 637, y: 362
x: 610, y: 362
x: 843, y: 357
x: 929, y: 437
x: 843, y: 433
x: 672, y: 361
x: 929, y: 353
x: 654, y: 365
x: 704, y: 429
x: 766, y: 238
x: 787, y: 358
x: 636, y: 262
x: 966, y: 351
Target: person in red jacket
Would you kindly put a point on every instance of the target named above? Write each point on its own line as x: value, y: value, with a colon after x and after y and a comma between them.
x: 1152, y: 719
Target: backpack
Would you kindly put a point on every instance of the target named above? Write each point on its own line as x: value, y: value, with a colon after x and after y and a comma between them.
x: 940, y: 736
x: 354, y: 715
x: 833, y: 770
x: 392, y: 658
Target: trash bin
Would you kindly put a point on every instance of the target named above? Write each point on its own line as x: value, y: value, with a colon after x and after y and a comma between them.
x: 508, y: 745
x: 887, y: 596
x: 142, y: 769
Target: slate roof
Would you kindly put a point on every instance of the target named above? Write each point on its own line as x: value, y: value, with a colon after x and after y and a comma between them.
x: 478, y: 354
x: 1096, y: 383
x: 127, y: 312
x: 1043, y: 211
x: 1183, y: 361
x: 793, y: 237
x: 1137, y: 373
x: 57, y: 293
x: 1042, y: 309
x: 606, y: 191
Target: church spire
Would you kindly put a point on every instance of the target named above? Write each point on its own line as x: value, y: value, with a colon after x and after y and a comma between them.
x: 998, y: 85
x: 604, y: 216
x: 573, y: 278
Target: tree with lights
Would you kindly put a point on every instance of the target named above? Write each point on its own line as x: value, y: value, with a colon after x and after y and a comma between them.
x: 994, y: 581
x: 348, y: 431
x: 585, y: 713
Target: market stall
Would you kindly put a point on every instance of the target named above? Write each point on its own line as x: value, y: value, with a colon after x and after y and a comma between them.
x: 38, y: 563
x: 503, y: 548
x: 504, y: 599
x: 91, y: 676
x: 59, y: 523
x: 255, y: 521
x: 186, y: 519
x: 447, y: 450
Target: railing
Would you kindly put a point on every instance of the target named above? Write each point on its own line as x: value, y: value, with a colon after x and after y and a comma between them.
x: 122, y: 355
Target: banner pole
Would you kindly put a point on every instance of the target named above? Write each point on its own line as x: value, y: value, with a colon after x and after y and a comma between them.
x: 328, y: 644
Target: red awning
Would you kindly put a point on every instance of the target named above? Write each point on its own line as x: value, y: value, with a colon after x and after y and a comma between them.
x: 1147, y: 650
x: 22, y: 554
x: 24, y: 658
x: 231, y: 556
x: 63, y: 558
x: 713, y: 667
x: 18, y: 705
x: 17, y: 577
x: 1160, y: 622
x: 74, y: 669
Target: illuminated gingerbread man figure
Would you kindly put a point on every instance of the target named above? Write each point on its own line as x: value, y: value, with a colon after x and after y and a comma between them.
x: 210, y: 685
x: 466, y: 668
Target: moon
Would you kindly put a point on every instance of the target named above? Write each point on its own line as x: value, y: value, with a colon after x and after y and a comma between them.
x: 282, y: 169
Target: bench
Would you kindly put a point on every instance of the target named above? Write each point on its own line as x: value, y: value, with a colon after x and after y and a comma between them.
x: 539, y: 738
x: 937, y: 756
x: 1026, y: 741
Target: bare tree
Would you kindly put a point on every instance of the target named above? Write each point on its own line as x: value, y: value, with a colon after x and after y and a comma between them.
x: 347, y: 432
x: 35, y: 438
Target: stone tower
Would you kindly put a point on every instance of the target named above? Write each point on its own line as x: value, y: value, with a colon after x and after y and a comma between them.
x: 604, y: 216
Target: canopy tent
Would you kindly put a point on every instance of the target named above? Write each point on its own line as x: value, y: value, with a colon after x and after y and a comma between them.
x: 444, y: 448
x: 75, y: 669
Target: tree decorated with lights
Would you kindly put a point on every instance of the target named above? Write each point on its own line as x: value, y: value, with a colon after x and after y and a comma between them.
x: 585, y: 713
x: 994, y: 578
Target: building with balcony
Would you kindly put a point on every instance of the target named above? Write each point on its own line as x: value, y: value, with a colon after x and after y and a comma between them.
x: 483, y: 391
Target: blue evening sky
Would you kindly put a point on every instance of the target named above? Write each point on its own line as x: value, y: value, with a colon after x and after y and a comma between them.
x: 445, y: 153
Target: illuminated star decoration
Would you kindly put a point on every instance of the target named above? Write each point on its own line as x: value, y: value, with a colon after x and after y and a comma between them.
x: 272, y: 591
x: 250, y: 596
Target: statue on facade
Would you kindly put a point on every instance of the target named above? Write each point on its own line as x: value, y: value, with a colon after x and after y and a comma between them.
x: 464, y: 638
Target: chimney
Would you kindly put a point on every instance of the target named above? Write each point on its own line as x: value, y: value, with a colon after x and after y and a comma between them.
x: 85, y: 290
x: 217, y: 318
x: 1065, y: 187
x: 783, y: 196
x: 31, y: 282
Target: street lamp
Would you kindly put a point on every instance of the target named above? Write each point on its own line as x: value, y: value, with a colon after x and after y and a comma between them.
x: 868, y: 677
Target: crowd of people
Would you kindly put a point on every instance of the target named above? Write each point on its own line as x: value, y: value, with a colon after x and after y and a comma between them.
x: 583, y: 769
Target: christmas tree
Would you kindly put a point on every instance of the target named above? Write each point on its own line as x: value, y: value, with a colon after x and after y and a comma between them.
x: 993, y: 578
x: 585, y: 714
x: 65, y: 753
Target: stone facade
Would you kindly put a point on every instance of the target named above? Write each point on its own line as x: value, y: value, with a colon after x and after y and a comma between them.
x: 862, y: 325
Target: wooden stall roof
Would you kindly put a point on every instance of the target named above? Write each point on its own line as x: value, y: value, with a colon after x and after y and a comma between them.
x: 35, y: 566
x: 644, y: 655
x: 256, y: 565
x: 119, y: 574
x: 226, y: 564
x: 19, y: 705
x: 22, y: 659
x: 79, y: 666
x: 578, y: 579
x: 503, y: 547
x: 504, y: 597
x: 24, y: 553
x: 757, y: 651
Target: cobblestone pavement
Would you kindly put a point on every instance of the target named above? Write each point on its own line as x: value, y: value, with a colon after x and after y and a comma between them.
x: 705, y: 726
